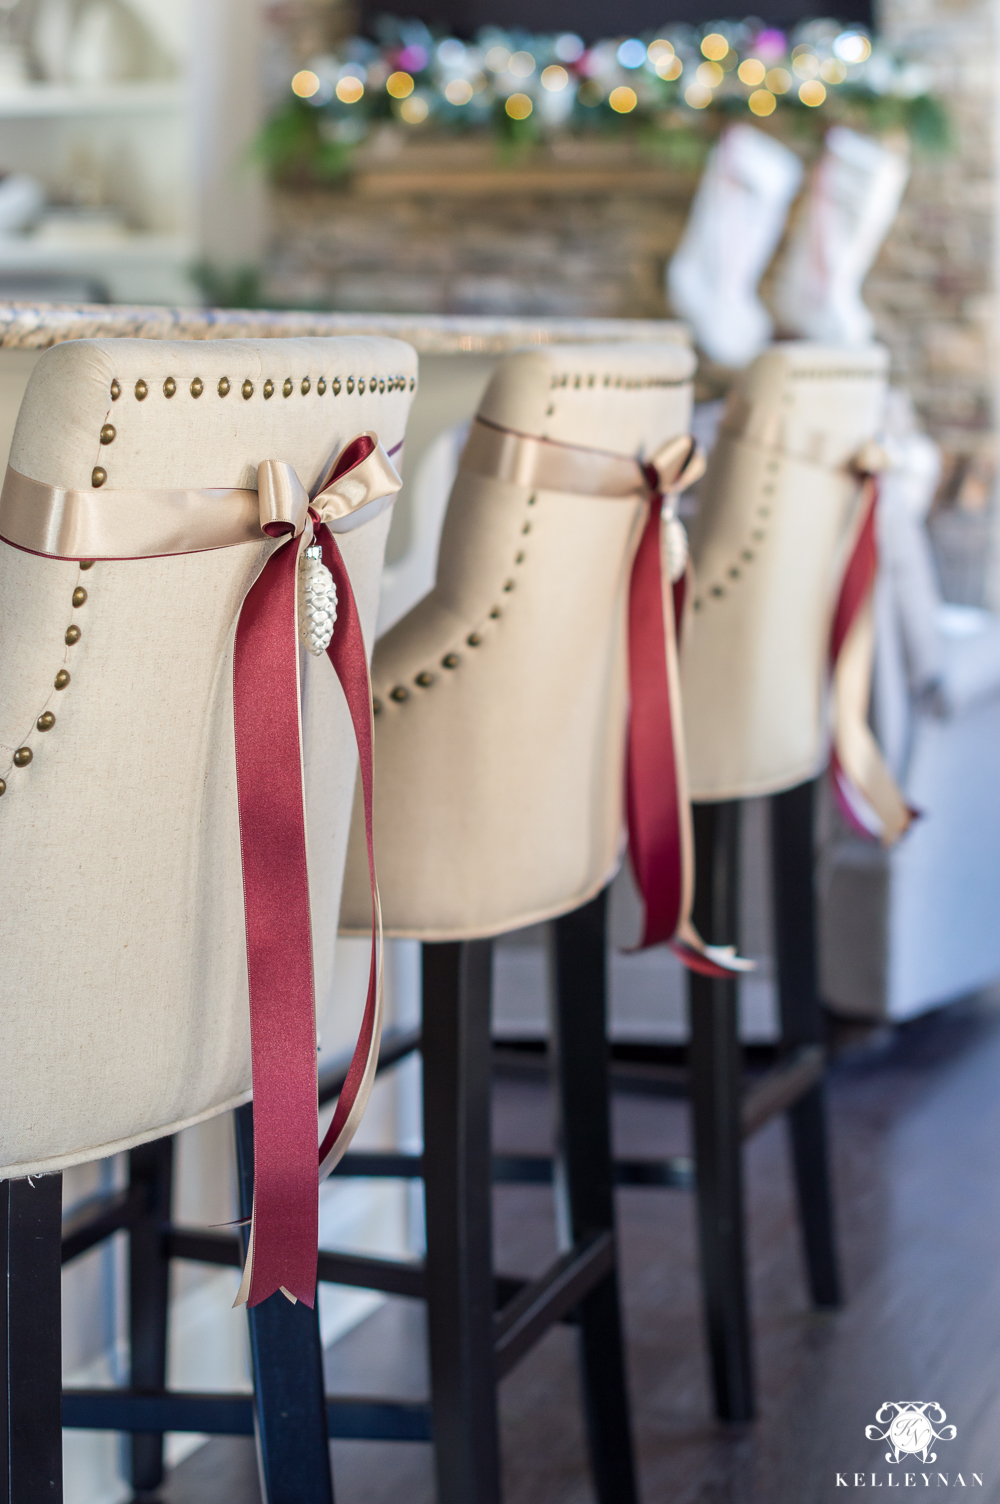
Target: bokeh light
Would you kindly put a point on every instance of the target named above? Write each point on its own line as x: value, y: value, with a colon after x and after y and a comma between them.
x: 623, y: 99
x: 458, y: 91
x: 751, y: 71
x: 519, y: 106
x: 710, y: 75
x: 569, y: 47
x: 497, y: 59
x: 762, y: 102
x: 812, y: 92
x: 349, y: 89
x: 669, y: 67
x: 554, y: 78
x: 852, y: 47
x: 522, y: 65
x: 778, y: 80
x: 305, y: 84
x: 714, y: 46
x: 805, y: 65
x: 832, y: 70
x: 632, y: 53
x: 399, y: 85
x: 697, y: 96
x: 659, y: 51
x: 414, y: 110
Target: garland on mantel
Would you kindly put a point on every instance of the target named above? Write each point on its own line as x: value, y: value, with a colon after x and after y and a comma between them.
x: 672, y: 92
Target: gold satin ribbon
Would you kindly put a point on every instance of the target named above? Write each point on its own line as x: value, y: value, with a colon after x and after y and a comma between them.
x: 523, y: 459
x: 63, y: 523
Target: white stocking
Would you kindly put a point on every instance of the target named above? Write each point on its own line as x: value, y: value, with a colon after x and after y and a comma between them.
x: 852, y: 202
x: 736, y: 221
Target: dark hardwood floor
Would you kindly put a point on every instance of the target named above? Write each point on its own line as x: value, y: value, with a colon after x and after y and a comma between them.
x: 916, y: 1135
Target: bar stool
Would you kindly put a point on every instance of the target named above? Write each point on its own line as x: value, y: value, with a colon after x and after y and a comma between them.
x: 129, y: 604
x: 782, y: 528
x: 501, y: 711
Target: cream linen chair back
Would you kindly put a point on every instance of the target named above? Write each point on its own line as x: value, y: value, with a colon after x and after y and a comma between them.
x: 123, y: 993
x: 776, y: 515
x: 502, y: 697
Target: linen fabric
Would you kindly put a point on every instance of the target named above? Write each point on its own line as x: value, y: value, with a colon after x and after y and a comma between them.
x: 777, y: 513
x: 123, y: 998
x: 501, y: 728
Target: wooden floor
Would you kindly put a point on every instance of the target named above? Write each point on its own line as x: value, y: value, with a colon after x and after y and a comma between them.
x: 916, y: 1132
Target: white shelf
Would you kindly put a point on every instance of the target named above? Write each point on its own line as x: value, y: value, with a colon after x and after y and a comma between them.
x: 23, y: 253
x: 39, y: 100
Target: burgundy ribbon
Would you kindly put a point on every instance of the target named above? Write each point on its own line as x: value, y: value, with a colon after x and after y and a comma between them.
x: 659, y: 815
x: 285, y: 1228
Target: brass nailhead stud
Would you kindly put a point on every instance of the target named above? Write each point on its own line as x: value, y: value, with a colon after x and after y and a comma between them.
x: 376, y: 707
x: 224, y: 386
x: 86, y: 563
x: 286, y: 387
x: 268, y: 389
x: 3, y: 788
x: 734, y: 573
x: 549, y: 410
x: 696, y: 605
x: 508, y: 585
x: 763, y: 511
x: 197, y: 387
x: 526, y: 528
x: 46, y: 721
x: 425, y: 679
x: 108, y: 433
x: 519, y: 558
x: 381, y: 383
x: 98, y: 476
x: 399, y: 694
x: 79, y: 596
x: 116, y: 389
x: 335, y: 386
x: 495, y: 614
x: 306, y: 385
x: 73, y: 634
x: 361, y: 385
x: 141, y: 391
x: 473, y: 639
x: 350, y: 385
x: 62, y: 678
x: 22, y: 757
x: 717, y: 591
x: 747, y: 555
x: 757, y: 535
x: 321, y: 385
x: 247, y: 390
x: 532, y: 500
x: 169, y: 387
x: 450, y: 660
x: 413, y: 383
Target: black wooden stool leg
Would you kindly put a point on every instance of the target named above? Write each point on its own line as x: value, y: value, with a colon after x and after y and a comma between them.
x: 31, y: 1342
x: 457, y: 1063
x: 793, y: 866
x: 289, y: 1389
x: 580, y: 1040
x: 151, y: 1174
x: 716, y: 1101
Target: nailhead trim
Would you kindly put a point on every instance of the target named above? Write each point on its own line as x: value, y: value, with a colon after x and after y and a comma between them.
x: 23, y: 756
x: 630, y: 383
x: 757, y: 535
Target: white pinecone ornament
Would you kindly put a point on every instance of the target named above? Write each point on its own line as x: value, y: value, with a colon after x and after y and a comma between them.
x: 317, y: 601
x: 676, y: 546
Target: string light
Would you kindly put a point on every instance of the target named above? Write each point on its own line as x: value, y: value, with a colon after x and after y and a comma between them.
x: 305, y: 84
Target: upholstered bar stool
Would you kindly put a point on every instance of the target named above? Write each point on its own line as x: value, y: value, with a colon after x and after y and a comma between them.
x: 501, y: 719
x: 154, y: 574
x: 783, y: 563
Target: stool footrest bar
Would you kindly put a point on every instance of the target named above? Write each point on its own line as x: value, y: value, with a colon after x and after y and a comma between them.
x: 544, y: 1301
x: 135, y: 1410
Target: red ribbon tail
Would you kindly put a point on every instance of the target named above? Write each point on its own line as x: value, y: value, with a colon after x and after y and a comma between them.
x: 285, y: 1226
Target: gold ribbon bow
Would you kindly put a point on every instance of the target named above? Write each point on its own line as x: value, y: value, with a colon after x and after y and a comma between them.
x: 63, y: 523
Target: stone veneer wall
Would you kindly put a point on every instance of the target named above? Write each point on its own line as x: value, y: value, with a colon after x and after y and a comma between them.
x: 587, y: 230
